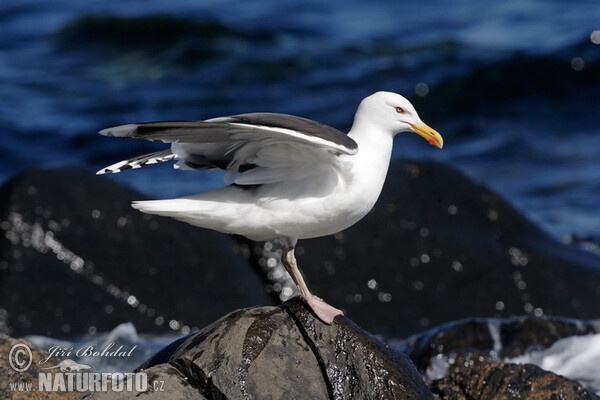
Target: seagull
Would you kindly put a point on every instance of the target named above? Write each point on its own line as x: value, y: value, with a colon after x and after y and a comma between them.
x: 287, y: 178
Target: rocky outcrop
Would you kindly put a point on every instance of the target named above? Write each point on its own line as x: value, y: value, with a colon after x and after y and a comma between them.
x: 470, y: 359
x: 507, y: 381
x: 492, y: 338
x: 282, y: 353
x: 76, y: 258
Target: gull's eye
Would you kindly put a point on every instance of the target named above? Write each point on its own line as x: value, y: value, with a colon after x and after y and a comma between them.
x: 400, y: 110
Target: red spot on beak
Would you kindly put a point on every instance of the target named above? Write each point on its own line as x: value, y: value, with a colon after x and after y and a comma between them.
x: 433, y: 141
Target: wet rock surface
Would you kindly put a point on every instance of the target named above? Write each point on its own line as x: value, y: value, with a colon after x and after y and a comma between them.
x: 76, y: 258
x: 284, y: 352
x: 164, y: 382
x: 507, y: 381
x: 469, y: 359
x: 492, y: 338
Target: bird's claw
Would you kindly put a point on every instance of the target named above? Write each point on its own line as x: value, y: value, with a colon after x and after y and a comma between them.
x: 322, y: 310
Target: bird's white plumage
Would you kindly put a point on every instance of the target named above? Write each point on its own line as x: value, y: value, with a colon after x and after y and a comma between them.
x: 295, y: 183
x: 288, y: 184
x: 292, y: 178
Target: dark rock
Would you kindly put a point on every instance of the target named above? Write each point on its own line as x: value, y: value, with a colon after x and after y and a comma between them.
x: 284, y: 352
x: 164, y: 382
x: 9, y: 376
x: 76, y: 258
x: 507, y: 381
x: 474, y: 350
x: 492, y: 338
x: 438, y: 247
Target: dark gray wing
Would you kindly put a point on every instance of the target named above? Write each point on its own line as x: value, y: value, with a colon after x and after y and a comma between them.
x: 240, y: 143
x: 218, y: 129
x: 305, y: 126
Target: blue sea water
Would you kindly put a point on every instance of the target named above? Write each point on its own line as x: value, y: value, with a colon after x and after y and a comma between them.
x: 512, y: 85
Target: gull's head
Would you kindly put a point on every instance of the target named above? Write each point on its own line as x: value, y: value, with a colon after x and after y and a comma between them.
x: 395, y: 114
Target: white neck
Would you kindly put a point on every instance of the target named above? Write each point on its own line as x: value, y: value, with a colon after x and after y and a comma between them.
x: 374, y: 145
x: 370, y: 164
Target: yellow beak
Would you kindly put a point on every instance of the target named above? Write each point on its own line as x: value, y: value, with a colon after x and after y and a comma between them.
x: 429, y: 134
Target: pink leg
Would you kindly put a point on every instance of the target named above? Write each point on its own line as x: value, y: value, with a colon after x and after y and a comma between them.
x: 324, y: 311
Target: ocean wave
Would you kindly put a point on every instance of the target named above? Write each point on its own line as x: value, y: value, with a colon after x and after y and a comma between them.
x: 183, y: 38
x: 572, y: 73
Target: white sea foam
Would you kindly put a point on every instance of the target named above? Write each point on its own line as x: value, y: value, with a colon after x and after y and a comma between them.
x: 575, y: 357
x: 494, y: 327
x: 438, y: 367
